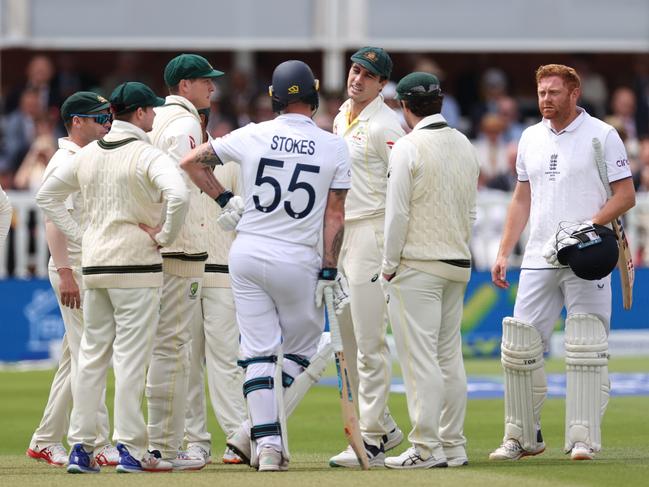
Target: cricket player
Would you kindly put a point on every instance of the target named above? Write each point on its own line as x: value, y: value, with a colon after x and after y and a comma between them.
x: 558, y: 181
x: 177, y: 130
x: 124, y: 181
x: 370, y: 129
x: 295, y: 177
x: 430, y: 209
x: 5, y: 220
x: 86, y: 117
x: 215, y: 337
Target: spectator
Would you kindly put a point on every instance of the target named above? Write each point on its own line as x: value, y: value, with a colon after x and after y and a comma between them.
x: 493, y: 87
x: 30, y: 172
x: 492, y: 149
x: 594, y: 93
x: 40, y: 75
x: 20, y: 128
x: 508, y: 110
x: 641, y: 88
x: 127, y: 68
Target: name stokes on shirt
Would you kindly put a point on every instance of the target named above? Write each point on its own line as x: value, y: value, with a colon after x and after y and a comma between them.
x: 287, y: 144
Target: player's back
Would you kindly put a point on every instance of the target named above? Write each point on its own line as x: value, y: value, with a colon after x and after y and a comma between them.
x: 288, y: 166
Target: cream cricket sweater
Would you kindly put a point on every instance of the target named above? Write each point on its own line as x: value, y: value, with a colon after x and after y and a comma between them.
x: 219, y: 241
x: 176, y: 131
x: 430, y: 208
x: 123, y: 180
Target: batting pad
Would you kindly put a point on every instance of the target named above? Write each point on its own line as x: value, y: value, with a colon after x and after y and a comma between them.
x: 525, y: 382
x: 587, y: 384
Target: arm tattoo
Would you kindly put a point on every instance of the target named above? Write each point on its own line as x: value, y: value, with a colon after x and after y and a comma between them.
x: 207, y: 156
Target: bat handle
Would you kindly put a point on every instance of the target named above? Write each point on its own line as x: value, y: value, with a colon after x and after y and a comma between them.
x: 334, y: 327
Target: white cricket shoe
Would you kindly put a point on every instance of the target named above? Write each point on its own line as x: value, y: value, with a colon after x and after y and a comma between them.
x: 107, y: 456
x: 186, y: 461
x: 231, y: 458
x: 53, y: 454
x: 411, y: 458
x: 195, y: 450
x: 581, y: 451
x: 271, y: 460
x: 239, y: 443
x: 347, y: 458
x: 459, y: 461
x: 392, y: 439
x: 512, y: 450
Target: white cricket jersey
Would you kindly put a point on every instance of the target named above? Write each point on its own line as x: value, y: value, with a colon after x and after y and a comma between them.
x: 369, y: 137
x: 288, y: 166
x: 563, y: 176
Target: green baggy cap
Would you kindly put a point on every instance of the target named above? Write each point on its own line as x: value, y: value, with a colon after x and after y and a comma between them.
x: 375, y: 60
x: 189, y: 66
x: 83, y: 103
x: 132, y: 95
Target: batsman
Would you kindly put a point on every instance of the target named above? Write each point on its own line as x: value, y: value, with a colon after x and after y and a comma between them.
x: 560, y: 192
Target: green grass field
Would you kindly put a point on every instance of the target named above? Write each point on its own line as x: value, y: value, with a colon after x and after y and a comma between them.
x: 315, y: 433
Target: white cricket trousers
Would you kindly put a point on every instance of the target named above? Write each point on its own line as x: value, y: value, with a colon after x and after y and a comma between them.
x: 121, y: 323
x: 54, y: 424
x: 542, y: 293
x: 273, y: 284
x: 168, y: 376
x: 363, y: 326
x: 215, y: 348
x: 426, y: 313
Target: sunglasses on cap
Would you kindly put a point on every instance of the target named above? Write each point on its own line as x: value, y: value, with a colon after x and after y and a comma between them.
x: 100, y: 118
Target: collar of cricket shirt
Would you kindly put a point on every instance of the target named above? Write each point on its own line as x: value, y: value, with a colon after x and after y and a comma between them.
x: 430, y: 119
x: 67, y: 144
x: 367, y: 112
x: 120, y: 130
x: 574, y: 125
x: 181, y: 100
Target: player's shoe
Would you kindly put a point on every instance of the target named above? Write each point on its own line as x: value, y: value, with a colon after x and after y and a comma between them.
x: 347, y: 458
x: 81, y: 461
x: 411, y: 458
x: 107, y: 456
x: 581, y: 451
x: 195, y: 450
x: 231, y: 458
x: 239, y: 443
x: 53, y: 454
x: 512, y: 450
x: 271, y: 460
x: 459, y: 461
x: 187, y: 461
x: 392, y: 439
x: 151, y: 462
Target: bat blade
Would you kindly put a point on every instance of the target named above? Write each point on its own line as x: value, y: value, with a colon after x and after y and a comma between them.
x: 347, y: 403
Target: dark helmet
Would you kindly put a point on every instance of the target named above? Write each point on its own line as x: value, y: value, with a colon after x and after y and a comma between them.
x: 293, y: 81
x: 596, y: 254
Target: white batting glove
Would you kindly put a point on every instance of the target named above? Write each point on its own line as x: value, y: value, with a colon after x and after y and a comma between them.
x: 563, y: 238
x: 330, y: 277
x: 231, y: 214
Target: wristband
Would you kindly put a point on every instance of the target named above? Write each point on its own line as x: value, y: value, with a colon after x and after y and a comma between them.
x: 328, y: 273
x: 223, y: 198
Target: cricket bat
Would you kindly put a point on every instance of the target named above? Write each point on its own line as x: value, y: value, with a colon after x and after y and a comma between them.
x: 347, y: 403
x: 624, y: 262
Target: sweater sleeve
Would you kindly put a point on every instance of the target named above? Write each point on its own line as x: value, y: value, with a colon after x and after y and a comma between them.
x: 165, y: 176
x: 397, y: 206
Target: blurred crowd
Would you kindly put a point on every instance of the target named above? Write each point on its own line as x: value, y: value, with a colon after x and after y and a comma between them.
x: 487, y: 110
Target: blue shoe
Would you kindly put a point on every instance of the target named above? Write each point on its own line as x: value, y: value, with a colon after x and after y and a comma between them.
x: 151, y: 462
x: 81, y: 461
x: 127, y: 463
